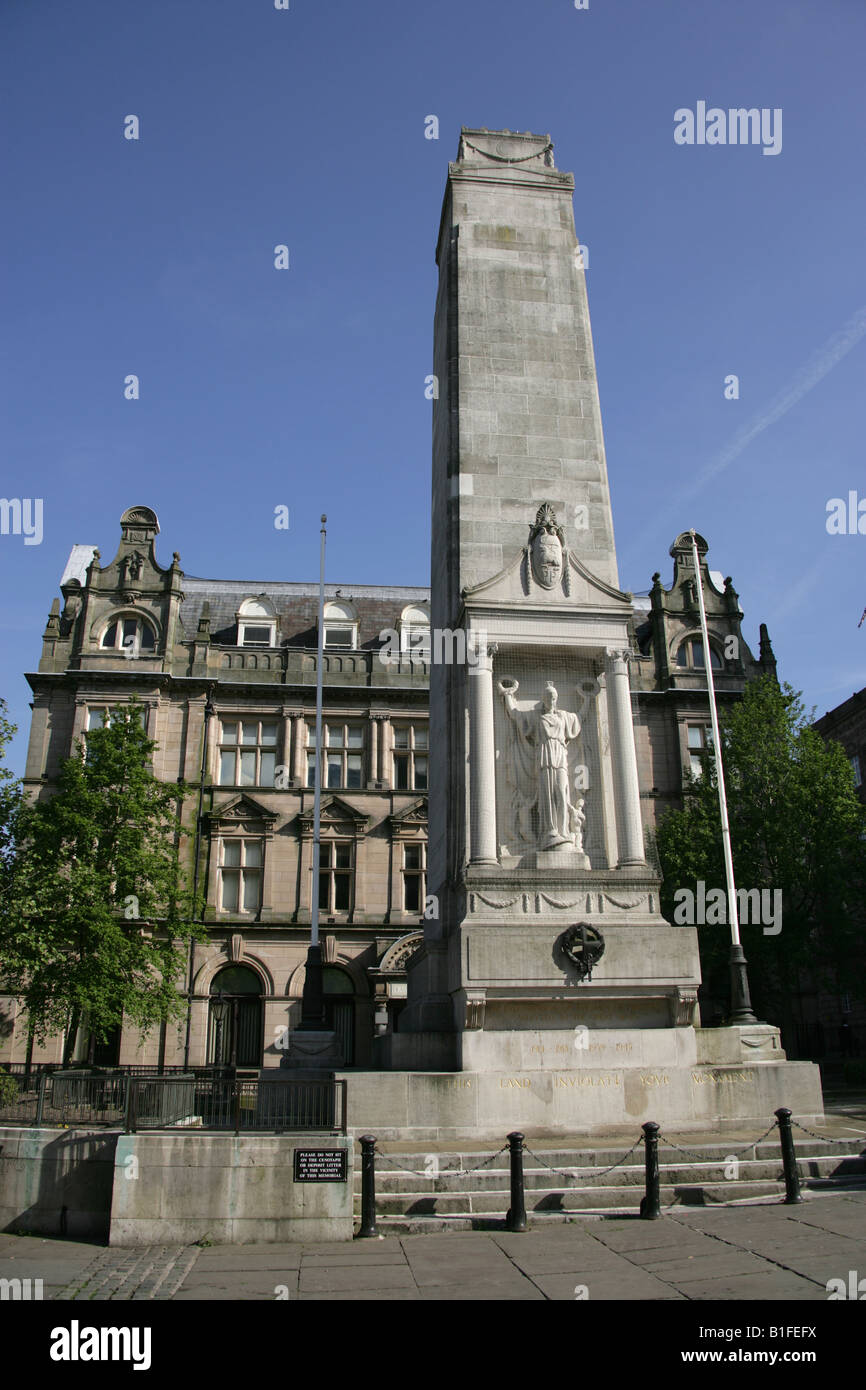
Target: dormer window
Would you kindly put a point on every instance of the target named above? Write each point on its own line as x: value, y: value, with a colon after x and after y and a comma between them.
x: 131, y: 636
x: 341, y: 624
x: 691, y: 655
x: 257, y: 623
x: 415, y: 631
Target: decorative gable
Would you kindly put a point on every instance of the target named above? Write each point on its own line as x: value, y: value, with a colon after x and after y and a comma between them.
x: 242, y: 812
x: 410, y: 820
x: 337, y: 816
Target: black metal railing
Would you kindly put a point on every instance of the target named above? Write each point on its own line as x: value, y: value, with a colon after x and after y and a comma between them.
x: 33, y: 1070
x: 187, y: 1100
x: 240, y: 1106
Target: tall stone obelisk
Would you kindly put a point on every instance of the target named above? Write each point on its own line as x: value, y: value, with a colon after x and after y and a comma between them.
x: 537, y: 827
x: 550, y: 974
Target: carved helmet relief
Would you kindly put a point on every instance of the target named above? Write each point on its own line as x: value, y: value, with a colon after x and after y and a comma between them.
x: 546, y: 548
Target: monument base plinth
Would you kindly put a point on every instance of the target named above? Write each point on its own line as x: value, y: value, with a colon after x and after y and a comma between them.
x: 579, y: 1101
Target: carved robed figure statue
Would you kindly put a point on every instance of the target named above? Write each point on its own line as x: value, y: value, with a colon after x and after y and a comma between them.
x: 539, y: 768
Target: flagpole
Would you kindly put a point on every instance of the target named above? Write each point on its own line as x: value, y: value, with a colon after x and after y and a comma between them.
x: 741, y: 1004
x: 313, y: 1005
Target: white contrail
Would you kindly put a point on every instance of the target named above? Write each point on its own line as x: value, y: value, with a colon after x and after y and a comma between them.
x: 819, y: 364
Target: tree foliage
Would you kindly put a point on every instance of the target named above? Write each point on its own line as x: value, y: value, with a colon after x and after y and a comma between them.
x: 95, y: 917
x: 796, y: 825
x: 10, y: 791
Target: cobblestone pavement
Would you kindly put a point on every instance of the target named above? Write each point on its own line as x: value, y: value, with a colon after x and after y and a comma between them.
x: 153, y: 1271
x: 766, y: 1252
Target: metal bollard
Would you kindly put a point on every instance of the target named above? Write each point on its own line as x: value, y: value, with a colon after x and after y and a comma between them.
x: 789, y: 1158
x: 368, y: 1186
x: 515, y: 1219
x: 40, y: 1098
x: 650, y: 1206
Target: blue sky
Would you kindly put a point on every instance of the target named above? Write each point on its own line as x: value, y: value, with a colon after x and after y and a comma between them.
x: 306, y: 387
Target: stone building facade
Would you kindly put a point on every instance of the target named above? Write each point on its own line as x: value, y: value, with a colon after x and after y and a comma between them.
x: 832, y: 1022
x: 227, y: 673
x: 847, y: 725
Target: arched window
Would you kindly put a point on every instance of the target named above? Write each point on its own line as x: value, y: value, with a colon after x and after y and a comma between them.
x: 235, y: 1022
x: 132, y: 636
x: 414, y: 628
x: 691, y: 655
x: 341, y: 624
x: 339, y: 999
x: 257, y: 623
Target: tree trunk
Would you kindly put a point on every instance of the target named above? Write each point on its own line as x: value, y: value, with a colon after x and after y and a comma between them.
x: 71, y: 1035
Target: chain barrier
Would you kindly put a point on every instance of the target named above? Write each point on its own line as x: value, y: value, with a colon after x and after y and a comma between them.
x: 602, y: 1172
x: 561, y: 1173
x: 702, y: 1157
x: 825, y: 1139
x: 441, y: 1171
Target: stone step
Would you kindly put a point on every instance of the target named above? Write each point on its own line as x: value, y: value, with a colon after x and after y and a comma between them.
x: 583, y: 1204
x: 553, y: 1198
x: 602, y: 1156
x: 711, y: 1155
x: 391, y: 1180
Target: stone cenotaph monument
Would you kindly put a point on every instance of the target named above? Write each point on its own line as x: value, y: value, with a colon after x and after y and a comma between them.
x: 550, y: 982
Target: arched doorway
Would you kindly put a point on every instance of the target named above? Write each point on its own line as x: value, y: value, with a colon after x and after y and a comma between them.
x: 339, y: 1000
x: 235, y: 1018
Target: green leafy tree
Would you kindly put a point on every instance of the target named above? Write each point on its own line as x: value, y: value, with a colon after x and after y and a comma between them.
x: 797, y: 826
x: 95, y: 918
x: 10, y: 801
x: 10, y: 791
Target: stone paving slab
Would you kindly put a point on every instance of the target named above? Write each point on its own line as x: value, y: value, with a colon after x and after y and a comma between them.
x: 249, y: 1285
x: 479, y: 1290
x: 248, y: 1258
x: 775, y: 1286
x: 339, y: 1278
x: 772, y: 1253
x: 386, y: 1296
x: 722, y: 1263
x: 637, y: 1286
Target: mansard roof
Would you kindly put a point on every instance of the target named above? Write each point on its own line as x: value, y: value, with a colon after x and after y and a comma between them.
x: 296, y: 605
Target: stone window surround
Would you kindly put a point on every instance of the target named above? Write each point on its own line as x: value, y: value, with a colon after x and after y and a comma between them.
x: 410, y: 832
x: 343, y: 830
x: 410, y: 631
x: 250, y: 827
x: 335, y: 720
x: 85, y: 703
x: 327, y: 865
x: 292, y: 741
x: 120, y: 618
x: 685, y: 721
x: 241, y: 869
x: 270, y: 624
x: 399, y: 723
x: 246, y: 717
x: 346, y: 622
x: 420, y: 873
x: 683, y: 641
